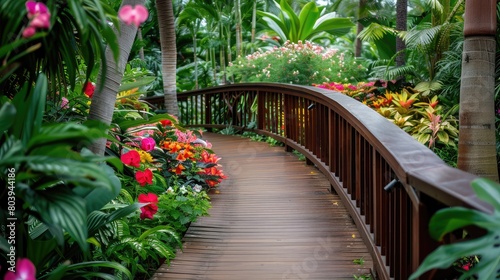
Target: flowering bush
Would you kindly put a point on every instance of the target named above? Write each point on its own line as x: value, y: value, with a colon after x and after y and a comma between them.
x: 297, y: 63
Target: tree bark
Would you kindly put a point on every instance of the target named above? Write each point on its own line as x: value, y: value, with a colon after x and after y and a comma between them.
x: 166, y: 24
x: 401, y: 18
x: 477, y: 139
x: 104, y: 98
x: 239, y: 37
x: 477, y: 142
x: 361, y: 13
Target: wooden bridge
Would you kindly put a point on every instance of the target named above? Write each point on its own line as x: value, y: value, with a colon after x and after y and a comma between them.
x: 274, y: 215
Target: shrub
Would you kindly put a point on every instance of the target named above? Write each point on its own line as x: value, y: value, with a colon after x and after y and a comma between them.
x: 297, y: 63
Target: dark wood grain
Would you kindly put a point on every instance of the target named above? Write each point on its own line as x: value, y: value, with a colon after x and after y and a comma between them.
x: 273, y: 218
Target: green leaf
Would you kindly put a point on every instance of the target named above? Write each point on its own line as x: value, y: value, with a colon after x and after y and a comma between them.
x: 144, y: 81
x: 308, y: 17
x: 291, y: 20
x: 488, y: 191
x: 63, y: 209
x: 450, y: 219
x: 275, y: 24
x: 7, y: 115
x: 445, y: 255
x: 163, y: 229
x: 333, y: 25
x: 124, y: 125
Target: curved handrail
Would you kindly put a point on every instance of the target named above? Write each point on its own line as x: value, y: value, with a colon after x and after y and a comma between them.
x: 359, y: 151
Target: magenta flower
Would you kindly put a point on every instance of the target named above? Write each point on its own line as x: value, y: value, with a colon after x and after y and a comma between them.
x: 135, y: 16
x: 25, y: 270
x: 64, y: 103
x: 148, y: 144
x: 36, y: 8
x: 29, y: 31
x: 39, y: 16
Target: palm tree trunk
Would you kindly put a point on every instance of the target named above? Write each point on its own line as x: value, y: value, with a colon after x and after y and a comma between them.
x: 141, y: 50
x: 254, y: 24
x: 477, y: 141
x: 238, y: 27
x: 104, y: 98
x: 195, y: 59
x: 166, y: 24
x: 402, y: 15
x: 358, y: 45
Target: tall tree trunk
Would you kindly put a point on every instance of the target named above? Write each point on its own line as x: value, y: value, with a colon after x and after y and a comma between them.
x: 254, y: 24
x: 477, y: 143
x: 141, y: 50
x: 166, y: 24
x: 239, y: 37
x: 361, y: 14
x: 195, y: 59
x: 401, y: 18
x: 104, y: 98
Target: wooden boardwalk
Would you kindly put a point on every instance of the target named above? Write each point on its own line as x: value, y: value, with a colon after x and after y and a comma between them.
x: 273, y: 218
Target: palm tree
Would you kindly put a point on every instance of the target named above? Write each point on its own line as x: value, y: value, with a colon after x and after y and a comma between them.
x: 166, y: 24
x: 110, y: 77
x: 477, y: 141
x: 401, y: 18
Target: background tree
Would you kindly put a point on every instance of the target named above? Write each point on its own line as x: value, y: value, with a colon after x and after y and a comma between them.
x: 166, y: 26
x: 476, y: 145
x: 110, y: 77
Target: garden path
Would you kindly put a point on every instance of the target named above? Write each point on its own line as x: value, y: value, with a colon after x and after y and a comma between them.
x: 273, y: 218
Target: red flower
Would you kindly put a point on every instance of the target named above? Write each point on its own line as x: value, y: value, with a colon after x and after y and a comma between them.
x: 149, y: 210
x: 466, y: 267
x: 144, y: 177
x: 132, y: 158
x: 166, y: 122
x: 89, y: 89
x: 148, y: 144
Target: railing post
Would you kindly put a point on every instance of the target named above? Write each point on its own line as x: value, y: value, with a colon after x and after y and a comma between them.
x: 261, y: 108
x: 208, y: 110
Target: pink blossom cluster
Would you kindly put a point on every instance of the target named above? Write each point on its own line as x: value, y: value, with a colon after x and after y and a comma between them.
x: 39, y: 16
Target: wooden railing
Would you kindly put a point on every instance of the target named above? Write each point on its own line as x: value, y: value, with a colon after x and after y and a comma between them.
x: 390, y: 183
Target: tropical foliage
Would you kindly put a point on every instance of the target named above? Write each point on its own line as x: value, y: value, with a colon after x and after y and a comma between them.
x: 485, y: 252
x: 300, y: 63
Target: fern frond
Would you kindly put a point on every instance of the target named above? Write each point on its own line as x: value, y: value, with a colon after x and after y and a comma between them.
x: 375, y: 31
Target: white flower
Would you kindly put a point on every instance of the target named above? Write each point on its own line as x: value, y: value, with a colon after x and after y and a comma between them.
x: 197, y: 188
x: 170, y: 190
x: 183, y: 190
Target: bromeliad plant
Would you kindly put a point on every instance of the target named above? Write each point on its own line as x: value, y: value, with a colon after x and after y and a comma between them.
x: 421, y: 116
x: 478, y: 258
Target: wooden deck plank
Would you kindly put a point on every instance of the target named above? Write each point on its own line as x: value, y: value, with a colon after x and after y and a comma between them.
x: 273, y: 218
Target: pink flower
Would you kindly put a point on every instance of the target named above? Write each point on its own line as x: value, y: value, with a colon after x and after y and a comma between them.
x: 149, y: 210
x: 135, y: 16
x: 41, y: 21
x: 148, y: 144
x: 39, y: 15
x: 144, y: 177
x: 64, y: 103
x: 35, y: 8
x: 28, y: 32
x: 25, y: 270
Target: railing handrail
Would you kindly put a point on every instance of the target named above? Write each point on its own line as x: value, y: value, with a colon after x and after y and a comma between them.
x: 426, y: 179
x: 425, y: 170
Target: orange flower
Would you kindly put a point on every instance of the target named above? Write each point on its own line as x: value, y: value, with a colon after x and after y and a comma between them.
x: 178, y: 169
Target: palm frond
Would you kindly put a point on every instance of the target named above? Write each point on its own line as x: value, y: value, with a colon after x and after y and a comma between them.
x: 375, y: 31
x: 421, y: 35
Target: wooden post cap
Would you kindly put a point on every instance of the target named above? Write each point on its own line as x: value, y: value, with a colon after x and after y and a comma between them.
x: 480, y: 17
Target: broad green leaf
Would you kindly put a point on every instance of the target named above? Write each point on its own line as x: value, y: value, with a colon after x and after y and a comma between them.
x: 62, y: 208
x: 96, y: 198
x: 163, y: 229
x: 144, y: 81
x: 488, y: 191
x: 7, y: 115
x: 274, y: 23
x: 291, y: 20
x: 443, y: 137
x: 450, y: 219
x: 39, y: 250
x: 308, y: 17
x: 333, y: 25
x: 445, y: 255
